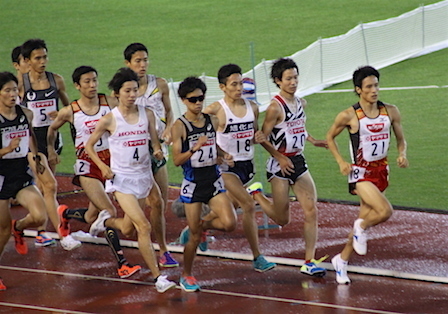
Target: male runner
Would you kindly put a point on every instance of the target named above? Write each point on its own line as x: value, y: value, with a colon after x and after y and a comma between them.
x: 83, y: 114
x: 154, y: 95
x: 129, y: 176
x: 284, y: 126
x: 46, y: 182
x: 237, y: 133
x: 16, y: 181
x: 194, y: 148
x: 369, y: 123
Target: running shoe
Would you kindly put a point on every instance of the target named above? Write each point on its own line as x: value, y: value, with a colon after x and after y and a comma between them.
x: 98, y: 225
x: 64, y: 226
x: 43, y: 239
x: 312, y: 269
x: 163, y: 284
x: 255, y: 188
x: 2, y: 285
x: 261, y: 264
x: 340, y: 267
x: 189, y: 284
x: 203, y: 245
x: 166, y: 260
x: 20, y: 244
x: 359, y: 238
x: 184, y: 236
x: 127, y: 270
x: 68, y: 243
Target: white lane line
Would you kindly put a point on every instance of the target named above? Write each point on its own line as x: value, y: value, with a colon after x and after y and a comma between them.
x: 217, y: 292
x: 274, y: 259
x: 40, y: 308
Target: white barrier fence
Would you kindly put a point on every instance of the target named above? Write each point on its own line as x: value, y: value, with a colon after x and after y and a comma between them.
x: 332, y: 60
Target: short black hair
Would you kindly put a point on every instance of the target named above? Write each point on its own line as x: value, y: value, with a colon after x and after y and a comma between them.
x: 6, y: 77
x: 280, y: 66
x: 32, y: 44
x: 133, y: 48
x: 226, y: 70
x: 79, y: 71
x: 122, y: 76
x: 190, y: 84
x: 361, y: 73
x: 15, y: 54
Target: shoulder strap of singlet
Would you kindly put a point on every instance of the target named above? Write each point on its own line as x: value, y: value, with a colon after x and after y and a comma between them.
x: 186, y: 123
x: 26, y: 83
x: 103, y: 99
x: 51, y: 80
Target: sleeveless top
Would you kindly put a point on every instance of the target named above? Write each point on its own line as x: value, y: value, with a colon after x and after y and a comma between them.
x: 152, y: 99
x: 289, y: 136
x: 84, y: 125
x: 40, y: 102
x: 202, y: 164
x: 128, y: 145
x: 238, y: 135
x: 10, y: 129
x: 369, y: 146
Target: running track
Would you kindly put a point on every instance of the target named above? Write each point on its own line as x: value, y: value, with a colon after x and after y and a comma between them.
x: 405, y: 270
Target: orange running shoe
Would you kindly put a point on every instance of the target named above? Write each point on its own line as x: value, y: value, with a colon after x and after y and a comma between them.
x: 20, y: 244
x: 64, y: 226
x: 2, y: 285
x: 127, y: 270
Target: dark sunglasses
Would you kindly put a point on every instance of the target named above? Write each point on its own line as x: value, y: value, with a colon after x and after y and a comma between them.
x: 194, y: 100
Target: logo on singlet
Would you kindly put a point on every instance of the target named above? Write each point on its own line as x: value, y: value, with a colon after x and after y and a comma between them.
x: 22, y: 118
x: 376, y: 127
x: 31, y: 95
x: 49, y: 93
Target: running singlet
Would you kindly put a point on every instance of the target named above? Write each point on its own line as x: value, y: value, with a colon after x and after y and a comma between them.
x: 128, y: 145
x: 10, y: 129
x: 289, y: 136
x: 152, y: 99
x: 85, y: 125
x: 369, y: 146
x: 202, y: 164
x: 40, y: 102
x: 238, y: 135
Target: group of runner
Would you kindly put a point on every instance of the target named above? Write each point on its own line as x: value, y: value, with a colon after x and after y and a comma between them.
x: 122, y: 142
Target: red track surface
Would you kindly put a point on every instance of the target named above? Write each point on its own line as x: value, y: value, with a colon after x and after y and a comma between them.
x: 84, y: 280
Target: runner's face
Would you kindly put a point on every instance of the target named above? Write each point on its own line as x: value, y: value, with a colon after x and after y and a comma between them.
x: 289, y: 81
x: 195, y: 107
x: 21, y: 66
x: 233, y: 87
x: 9, y: 94
x: 128, y: 93
x: 38, y: 60
x: 139, y: 63
x: 88, y: 85
x: 369, y: 90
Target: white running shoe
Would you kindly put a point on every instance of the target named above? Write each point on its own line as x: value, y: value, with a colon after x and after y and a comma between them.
x: 98, y: 225
x: 340, y: 267
x: 68, y: 243
x: 163, y: 284
x: 359, y: 238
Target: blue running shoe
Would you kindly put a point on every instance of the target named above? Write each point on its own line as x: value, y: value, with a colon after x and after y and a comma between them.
x: 184, y: 236
x: 166, y: 260
x: 44, y: 239
x: 203, y: 246
x: 189, y: 284
x: 261, y: 264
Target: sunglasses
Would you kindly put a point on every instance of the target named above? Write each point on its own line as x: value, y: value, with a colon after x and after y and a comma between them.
x: 194, y: 100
